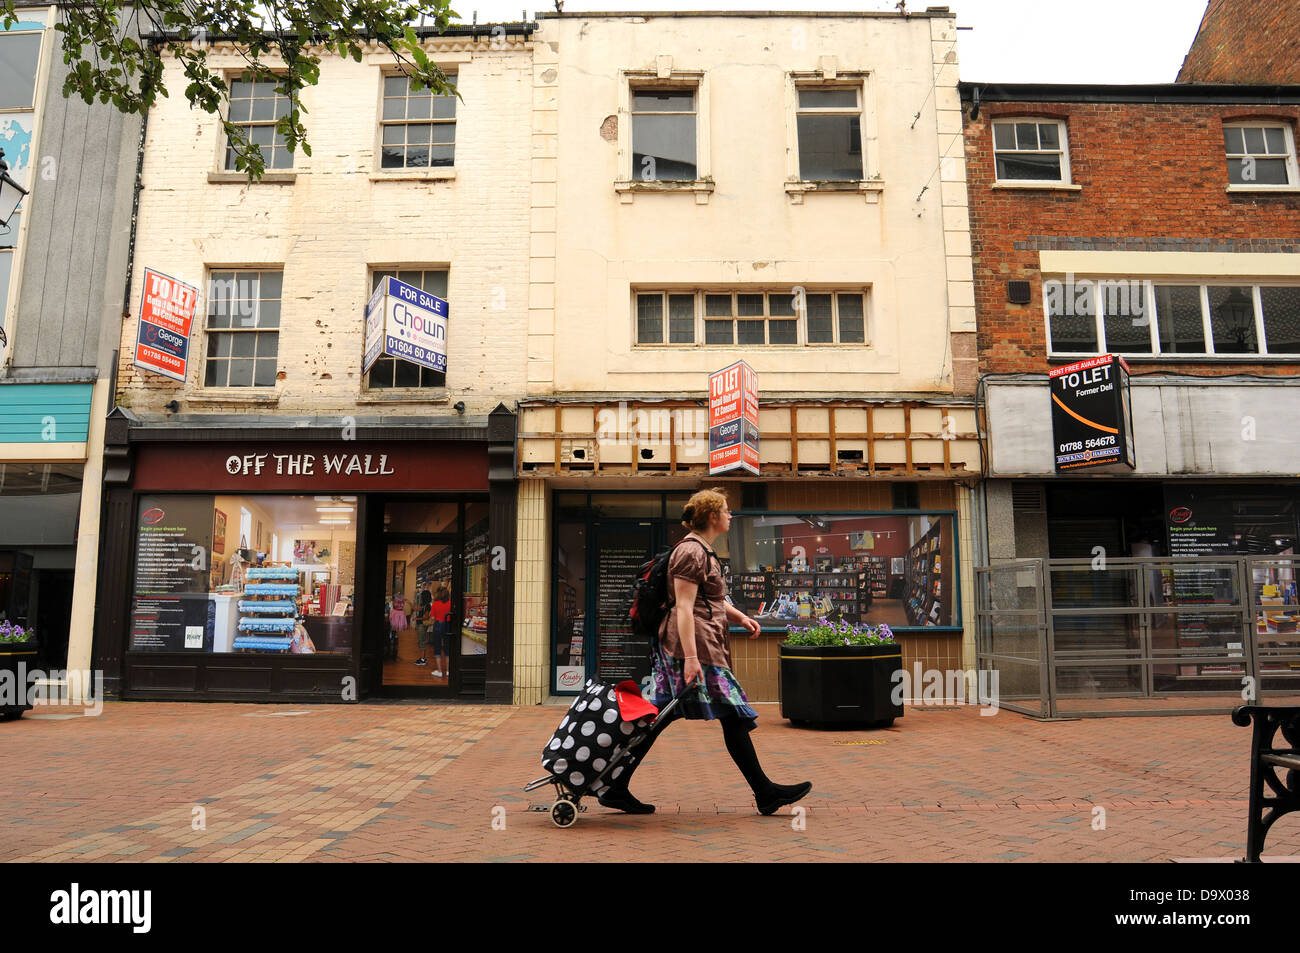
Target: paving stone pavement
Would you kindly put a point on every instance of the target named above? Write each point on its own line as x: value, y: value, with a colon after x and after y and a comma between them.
x: 161, y: 782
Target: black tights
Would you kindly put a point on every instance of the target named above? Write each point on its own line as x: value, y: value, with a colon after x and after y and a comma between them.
x: 735, y: 732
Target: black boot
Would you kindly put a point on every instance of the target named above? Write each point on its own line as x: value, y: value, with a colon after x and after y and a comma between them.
x: 779, y: 795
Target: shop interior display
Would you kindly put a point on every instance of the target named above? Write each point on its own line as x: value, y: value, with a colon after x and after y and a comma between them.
x: 925, y: 580
x: 269, y: 609
x: 279, y: 577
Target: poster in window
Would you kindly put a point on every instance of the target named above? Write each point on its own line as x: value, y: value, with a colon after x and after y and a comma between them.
x: 218, y: 532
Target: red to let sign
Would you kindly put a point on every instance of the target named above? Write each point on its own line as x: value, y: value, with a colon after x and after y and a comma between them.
x: 162, y: 343
x: 733, y: 419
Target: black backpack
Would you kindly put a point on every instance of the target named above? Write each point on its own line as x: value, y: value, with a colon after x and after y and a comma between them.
x: 651, y: 599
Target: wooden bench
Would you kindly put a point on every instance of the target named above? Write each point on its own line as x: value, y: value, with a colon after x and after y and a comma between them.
x: 1274, y: 769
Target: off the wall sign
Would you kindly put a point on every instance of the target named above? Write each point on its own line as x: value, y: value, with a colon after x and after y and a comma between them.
x: 309, y: 464
x: 1092, y: 417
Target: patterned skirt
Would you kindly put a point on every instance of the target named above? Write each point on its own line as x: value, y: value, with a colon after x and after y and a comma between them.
x: 720, y: 695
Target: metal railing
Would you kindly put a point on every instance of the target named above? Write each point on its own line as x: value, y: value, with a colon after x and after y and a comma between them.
x: 1163, y: 635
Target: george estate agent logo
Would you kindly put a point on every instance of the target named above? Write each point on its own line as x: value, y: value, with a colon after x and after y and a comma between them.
x: 1180, y: 514
x: 77, y: 906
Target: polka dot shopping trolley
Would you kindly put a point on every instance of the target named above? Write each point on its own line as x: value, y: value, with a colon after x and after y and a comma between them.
x: 593, y: 744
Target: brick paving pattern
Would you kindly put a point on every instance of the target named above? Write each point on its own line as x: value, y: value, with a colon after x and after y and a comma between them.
x: 392, y: 782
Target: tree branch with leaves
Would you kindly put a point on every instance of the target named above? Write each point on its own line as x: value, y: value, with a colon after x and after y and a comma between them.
x: 116, y: 52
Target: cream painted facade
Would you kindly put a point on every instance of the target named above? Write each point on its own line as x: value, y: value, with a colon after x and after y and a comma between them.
x: 334, y: 218
x: 903, y: 405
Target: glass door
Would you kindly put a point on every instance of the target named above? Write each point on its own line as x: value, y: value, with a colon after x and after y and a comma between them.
x: 423, y: 596
x: 618, y: 550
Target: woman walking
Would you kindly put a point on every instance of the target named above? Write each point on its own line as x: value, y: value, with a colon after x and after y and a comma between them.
x: 693, y: 648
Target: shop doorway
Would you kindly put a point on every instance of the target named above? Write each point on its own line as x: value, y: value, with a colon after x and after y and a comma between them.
x: 601, y: 540
x: 430, y: 600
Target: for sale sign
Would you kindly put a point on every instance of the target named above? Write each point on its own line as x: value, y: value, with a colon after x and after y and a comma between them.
x: 733, y: 420
x: 1092, y: 420
x: 406, y: 323
x: 162, y: 343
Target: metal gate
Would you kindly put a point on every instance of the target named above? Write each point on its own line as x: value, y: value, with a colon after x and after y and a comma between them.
x: 1074, y: 637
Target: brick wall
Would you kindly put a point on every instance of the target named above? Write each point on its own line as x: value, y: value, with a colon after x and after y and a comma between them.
x: 1245, y: 41
x: 1152, y: 177
x: 339, y: 218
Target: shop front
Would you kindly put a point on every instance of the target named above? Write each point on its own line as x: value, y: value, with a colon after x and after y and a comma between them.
x: 876, y: 536
x: 282, y: 567
x: 1167, y: 584
x: 44, y: 430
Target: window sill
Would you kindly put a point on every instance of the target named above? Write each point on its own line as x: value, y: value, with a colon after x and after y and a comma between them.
x: 1040, y: 186
x: 422, y: 175
x: 759, y: 348
x: 1187, y: 358
x: 1262, y: 189
x: 627, y: 189
x: 228, y: 397
x: 406, y: 395
x: 869, y: 189
x: 240, y: 178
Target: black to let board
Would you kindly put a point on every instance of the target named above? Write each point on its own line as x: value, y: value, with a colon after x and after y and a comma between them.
x: 1092, y: 418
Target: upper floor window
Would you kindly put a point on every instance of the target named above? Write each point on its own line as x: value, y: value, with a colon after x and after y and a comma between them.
x: 255, y: 107
x: 1260, y: 154
x: 1030, y: 150
x: 418, y: 128
x: 663, y: 134
x: 20, y: 54
x: 390, y: 372
x: 1137, y: 317
x: 751, y: 318
x: 243, y: 329
x: 828, y: 124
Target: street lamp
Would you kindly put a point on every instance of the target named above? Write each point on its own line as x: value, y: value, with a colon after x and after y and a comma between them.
x: 11, y: 193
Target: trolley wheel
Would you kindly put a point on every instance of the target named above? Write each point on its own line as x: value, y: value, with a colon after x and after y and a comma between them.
x: 564, y: 813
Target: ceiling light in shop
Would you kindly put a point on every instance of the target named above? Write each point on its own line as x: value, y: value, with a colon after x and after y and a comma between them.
x: 333, y: 509
x: 339, y: 522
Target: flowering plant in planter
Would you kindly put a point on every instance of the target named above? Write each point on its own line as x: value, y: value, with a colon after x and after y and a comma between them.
x: 839, y: 672
x: 11, y: 632
x: 826, y: 633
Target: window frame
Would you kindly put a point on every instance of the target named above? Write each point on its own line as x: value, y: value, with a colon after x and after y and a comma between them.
x: 256, y: 330
x: 627, y: 182
x: 858, y: 86
x: 395, y: 390
x: 452, y: 72
x: 799, y: 317
x: 1062, y: 133
x: 1289, y: 140
x: 223, y: 140
x: 1203, y: 286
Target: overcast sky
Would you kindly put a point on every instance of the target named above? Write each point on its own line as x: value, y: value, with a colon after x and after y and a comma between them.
x: 1011, y: 41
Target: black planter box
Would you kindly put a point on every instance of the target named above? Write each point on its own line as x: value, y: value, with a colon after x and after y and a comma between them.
x: 840, y: 684
x: 12, y: 654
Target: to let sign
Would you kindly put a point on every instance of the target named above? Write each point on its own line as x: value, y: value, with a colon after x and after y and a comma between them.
x: 162, y: 343
x: 406, y: 323
x: 1092, y: 419
x: 733, y: 420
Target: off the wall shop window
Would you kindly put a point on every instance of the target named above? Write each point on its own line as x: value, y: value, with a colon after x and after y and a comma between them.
x: 243, y: 329
x: 829, y: 125
x: 749, y: 318
x: 1172, y: 320
x: 1260, y: 155
x: 255, y: 107
x: 389, y: 372
x: 417, y: 127
x: 1031, y: 150
x: 663, y: 134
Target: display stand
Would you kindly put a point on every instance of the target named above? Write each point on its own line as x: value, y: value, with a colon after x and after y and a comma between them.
x: 268, y: 610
